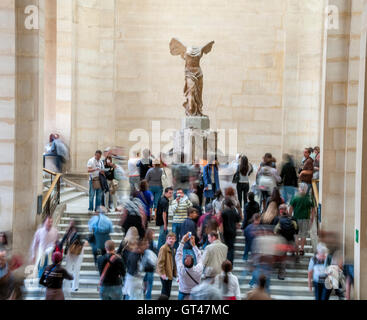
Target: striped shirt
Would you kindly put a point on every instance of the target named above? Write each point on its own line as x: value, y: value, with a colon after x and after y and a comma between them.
x: 180, y: 209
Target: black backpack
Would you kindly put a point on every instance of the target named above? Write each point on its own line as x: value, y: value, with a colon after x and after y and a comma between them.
x: 184, y: 173
x: 287, y: 229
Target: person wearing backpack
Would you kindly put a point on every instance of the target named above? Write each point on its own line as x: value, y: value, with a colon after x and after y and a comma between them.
x: 181, y: 177
x: 52, y: 278
x: 317, y: 273
x: 211, y: 181
x: 101, y: 226
x: 112, y: 270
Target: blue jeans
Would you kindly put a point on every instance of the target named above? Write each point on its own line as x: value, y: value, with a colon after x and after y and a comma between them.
x: 98, y: 193
x: 190, y: 252
x: 162, y: 237
x: 176, y: 229
x: 288, y: 193
x: 247, y: 250
x: 321, y: 293
x: 149, y: 277
x: 157, y: 193
x: 259, y: 270
x: 181, y: 295
x: 110, y: 292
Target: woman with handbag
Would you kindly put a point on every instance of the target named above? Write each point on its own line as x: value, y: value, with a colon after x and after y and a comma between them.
x: 241, y: 178
x: 74, y: 252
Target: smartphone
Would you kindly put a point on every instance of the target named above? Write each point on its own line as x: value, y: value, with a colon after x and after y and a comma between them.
x: 189, y: 235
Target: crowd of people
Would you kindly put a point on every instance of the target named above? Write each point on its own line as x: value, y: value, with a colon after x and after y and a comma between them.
x: 275, y: 214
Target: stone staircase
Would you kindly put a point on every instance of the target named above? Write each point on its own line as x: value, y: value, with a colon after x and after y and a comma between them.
x: 294, y: 287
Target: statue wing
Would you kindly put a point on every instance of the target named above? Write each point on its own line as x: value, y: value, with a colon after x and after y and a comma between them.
x: 207, y: 48
x: 177, y: 47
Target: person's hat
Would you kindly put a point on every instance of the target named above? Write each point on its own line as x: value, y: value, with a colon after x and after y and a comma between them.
x: 56, y: 257
x: 156, y: 161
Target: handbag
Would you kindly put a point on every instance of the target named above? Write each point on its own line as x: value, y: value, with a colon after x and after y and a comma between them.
x: 236, y: 177
x: 96, y: 183
x: 164, y: 179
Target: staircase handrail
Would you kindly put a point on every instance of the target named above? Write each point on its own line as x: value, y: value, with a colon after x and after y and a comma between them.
x: 55, y: 184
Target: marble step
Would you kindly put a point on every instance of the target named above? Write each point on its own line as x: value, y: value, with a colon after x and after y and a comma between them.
x: 64, y: 198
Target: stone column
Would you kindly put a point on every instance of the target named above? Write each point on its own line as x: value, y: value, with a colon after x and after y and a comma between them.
x: 360, y: 234
x: 29, y: 124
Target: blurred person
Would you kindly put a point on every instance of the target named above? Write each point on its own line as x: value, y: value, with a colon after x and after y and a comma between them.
x: 276, y: 197
x: 133, y: 215
x: 166, y: 264
x: 189, y: 273
x: 301, y: 206
x: 189, y: 225
x: 134, y: 287
x: 74, y: 253
x: 267, y: 177
x: 204, y: 225
x: 230, y: 218
x: 289, y: 178
x: 111, y: 270
x: 154, y: 180
x: 144, y: 164
x: 180, y: 207
x: 230, y: 193
x: 214, y: 255
x: 250, y: 234
x: 193, y: 197
x: 271, y: 215
x: 162, y: 215
x: 251, y: 207
x: 149, y: 276
x: 307, y: 169
x: 211, y: 181
x: 95, y: 167
x: 348, y: 270
x: 101, y: 227
x: 52, y: 151
x: 196, y: 181
x: 316, y: 163
x: 146, y: 197
x: 43, y: 243
x: 134, y: 174
x: 110, y: 197
x: 228, y: 283
x: 52, y: 278
x: 9, y: 289
x: 181, y: 177
x: 241, y: 178
x: 206, y: 290
x: 218, y: 202
x: 259, y: 292
x: 317, y: 273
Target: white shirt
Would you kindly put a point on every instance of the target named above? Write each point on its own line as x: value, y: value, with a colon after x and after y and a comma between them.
x: 133, y: 169
x: 94, y: 164
x: 43, y: 239
x: 233, y: 285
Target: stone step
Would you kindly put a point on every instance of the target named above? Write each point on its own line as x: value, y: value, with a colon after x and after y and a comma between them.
x: 64, y: 198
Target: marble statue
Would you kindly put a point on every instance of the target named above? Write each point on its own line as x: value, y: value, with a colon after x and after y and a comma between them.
x: 193, y: 90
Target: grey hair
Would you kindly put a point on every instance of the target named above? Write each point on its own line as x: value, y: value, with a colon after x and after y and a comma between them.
x: 303, y: 188
x: 321, y: 248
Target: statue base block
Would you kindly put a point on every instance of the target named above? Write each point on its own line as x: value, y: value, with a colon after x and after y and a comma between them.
x: 201, y: 123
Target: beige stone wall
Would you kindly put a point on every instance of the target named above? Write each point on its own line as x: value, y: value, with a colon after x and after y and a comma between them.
x: 261, y: 78
x: 7, y: 112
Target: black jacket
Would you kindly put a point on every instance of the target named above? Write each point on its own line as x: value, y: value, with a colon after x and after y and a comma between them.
x: 289, y: 175
x: 53, y: 276
x: 115, y: 272
x: 250, y: 209
x: 104, y: 184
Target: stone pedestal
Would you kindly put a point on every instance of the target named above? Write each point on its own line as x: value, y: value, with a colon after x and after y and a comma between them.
x: 195, y: 141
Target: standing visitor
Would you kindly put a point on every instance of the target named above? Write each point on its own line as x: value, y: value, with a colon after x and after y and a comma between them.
x: 52, y: 278
x: 112, y: 270
x: 218, y: 202
x: 162, y: 216
x: 230, y: 218
x: 134, y: 174
x: 181, y: 177
x: 289, y: 178
x: 74, y: 252
x: 144, y: 164
x: 101, y: 227
x: 301, y: 206
x: 241, y: 179
x: 228, y: 283
x: 214, y: 255
x: 316, y: 163
x: 154, y: 180
x: 250, y: 209
x: 211, y: 181
x: 95, y: 167
x: 189, y: 225
x: 307, y: 170
x: 43, y: 243
x: 166, y: 265
x: 110, y: 197
x: 196, y: 181
x: 189, y: 273
x: 149, y: 276
x: 180, y: 206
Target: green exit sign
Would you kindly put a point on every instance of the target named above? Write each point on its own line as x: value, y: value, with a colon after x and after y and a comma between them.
x: 357, y: 235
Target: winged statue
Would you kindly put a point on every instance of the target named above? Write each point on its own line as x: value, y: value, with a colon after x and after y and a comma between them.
x: 193, y: 89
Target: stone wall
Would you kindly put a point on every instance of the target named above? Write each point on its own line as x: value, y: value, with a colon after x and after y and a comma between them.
x: 261, y: 78
x: 7, y: 112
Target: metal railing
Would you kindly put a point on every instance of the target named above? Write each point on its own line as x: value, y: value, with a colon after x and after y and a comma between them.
x: 52, y: 197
